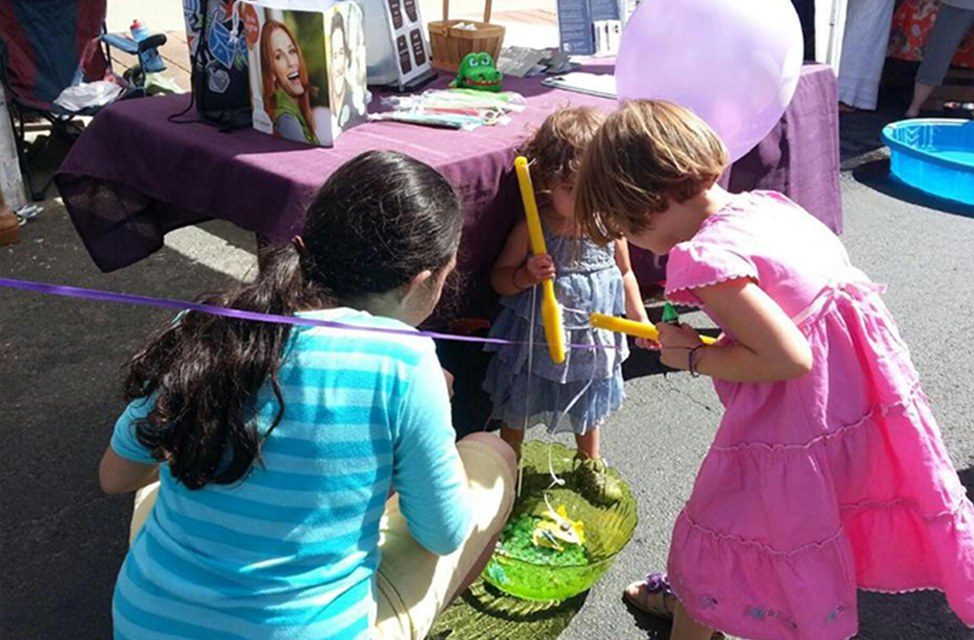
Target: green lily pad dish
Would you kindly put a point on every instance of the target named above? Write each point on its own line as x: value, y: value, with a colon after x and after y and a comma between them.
x: 524, y: 570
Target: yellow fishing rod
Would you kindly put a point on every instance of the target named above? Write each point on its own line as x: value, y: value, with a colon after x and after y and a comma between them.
x: 554, y: 331
x: 632, y: 328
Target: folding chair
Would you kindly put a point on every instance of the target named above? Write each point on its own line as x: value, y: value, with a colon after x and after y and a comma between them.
x: 47, y: 46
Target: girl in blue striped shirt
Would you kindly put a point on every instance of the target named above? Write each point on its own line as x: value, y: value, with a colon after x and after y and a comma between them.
x: 273, y: 449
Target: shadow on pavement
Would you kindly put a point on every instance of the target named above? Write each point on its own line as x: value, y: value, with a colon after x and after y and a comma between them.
x: 923, y: 615
x: 62, y: 539
x: 875, y: 174
x: 655, y: 628
x: 967, y: 479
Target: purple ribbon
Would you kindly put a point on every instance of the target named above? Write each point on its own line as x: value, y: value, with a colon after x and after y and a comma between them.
x: 182, y: 305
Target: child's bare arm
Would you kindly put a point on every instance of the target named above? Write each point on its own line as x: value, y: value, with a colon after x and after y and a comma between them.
x: 511, y: 274
x: 119, y: 475
x: 769, y: 346
x: 635, y: 309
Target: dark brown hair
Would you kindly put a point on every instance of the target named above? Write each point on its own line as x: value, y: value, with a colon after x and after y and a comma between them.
x: 377, y: 222
x: 647, y: 153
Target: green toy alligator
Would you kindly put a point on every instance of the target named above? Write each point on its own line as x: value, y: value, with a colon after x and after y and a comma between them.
x: 477, y: 71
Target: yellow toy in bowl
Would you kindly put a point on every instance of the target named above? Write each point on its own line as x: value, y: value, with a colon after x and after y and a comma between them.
x: 556, y: 531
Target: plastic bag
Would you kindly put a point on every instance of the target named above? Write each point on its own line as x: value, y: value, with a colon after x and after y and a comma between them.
x: 88, y: 94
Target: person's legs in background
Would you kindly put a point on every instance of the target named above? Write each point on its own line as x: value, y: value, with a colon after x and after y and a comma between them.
x: 864, y: 52
x: 947, y: 32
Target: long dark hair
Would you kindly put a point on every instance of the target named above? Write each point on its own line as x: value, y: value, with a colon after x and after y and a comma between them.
x: 380, y: 220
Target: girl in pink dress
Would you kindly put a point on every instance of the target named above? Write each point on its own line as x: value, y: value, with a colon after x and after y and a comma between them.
x: 828, y: 473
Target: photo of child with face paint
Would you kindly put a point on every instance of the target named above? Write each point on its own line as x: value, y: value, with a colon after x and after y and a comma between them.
x: 287, y: 91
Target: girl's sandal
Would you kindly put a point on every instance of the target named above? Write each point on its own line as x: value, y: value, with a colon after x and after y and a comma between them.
x: 652, y: 595
x: 655, y: 597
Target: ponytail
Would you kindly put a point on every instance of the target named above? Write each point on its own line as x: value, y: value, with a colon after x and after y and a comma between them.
x: 379, y: 220
x: 207, y: 372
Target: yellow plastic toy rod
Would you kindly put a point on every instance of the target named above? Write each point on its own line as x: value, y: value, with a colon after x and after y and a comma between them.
x: 550, y: 309
x: 631, y: 327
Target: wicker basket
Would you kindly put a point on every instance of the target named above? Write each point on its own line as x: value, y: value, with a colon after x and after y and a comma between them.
x: 449, y: 45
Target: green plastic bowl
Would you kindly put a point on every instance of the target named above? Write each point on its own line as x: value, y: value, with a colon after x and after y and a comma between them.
x: 607, y: 530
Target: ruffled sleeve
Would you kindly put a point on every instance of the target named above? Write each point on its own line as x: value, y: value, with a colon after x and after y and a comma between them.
x: 692, y: 265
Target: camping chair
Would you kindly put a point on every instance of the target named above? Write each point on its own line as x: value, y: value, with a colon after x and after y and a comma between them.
x: 47, y: 46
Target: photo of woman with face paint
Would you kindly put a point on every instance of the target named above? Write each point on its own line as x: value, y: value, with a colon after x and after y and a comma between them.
x: 286, y: 91
x: 343, y: 104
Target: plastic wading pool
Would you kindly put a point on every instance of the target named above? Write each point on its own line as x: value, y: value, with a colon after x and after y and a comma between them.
x: 934, y: 155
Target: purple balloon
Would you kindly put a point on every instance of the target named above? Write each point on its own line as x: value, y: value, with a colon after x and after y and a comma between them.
x: 735, y: 63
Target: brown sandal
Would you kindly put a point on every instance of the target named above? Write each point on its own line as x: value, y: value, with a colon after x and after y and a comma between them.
x: 652, y: 595
x: 655, y: 597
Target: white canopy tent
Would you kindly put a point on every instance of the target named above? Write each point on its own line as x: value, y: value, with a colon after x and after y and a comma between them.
x: 830, y: 16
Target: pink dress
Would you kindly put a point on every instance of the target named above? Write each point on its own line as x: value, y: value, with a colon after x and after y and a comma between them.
x: 817, y: 486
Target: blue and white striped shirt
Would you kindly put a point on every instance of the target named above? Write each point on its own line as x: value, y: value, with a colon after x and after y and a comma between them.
x: 290, y: 552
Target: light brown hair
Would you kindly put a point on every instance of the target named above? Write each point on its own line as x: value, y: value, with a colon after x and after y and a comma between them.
x: 645, y: 155
x: 555, y: 150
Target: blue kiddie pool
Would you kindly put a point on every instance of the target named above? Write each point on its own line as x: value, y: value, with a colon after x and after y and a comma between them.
x: 935, y: 155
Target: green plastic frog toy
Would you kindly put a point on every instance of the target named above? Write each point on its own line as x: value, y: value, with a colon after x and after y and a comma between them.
x: 477, y: 71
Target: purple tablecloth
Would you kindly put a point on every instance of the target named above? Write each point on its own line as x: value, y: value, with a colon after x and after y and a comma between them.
x: 134, y: 175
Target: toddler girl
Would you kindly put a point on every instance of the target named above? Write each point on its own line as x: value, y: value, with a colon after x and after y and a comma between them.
x: 526, y: 387
x: 828, y: 473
